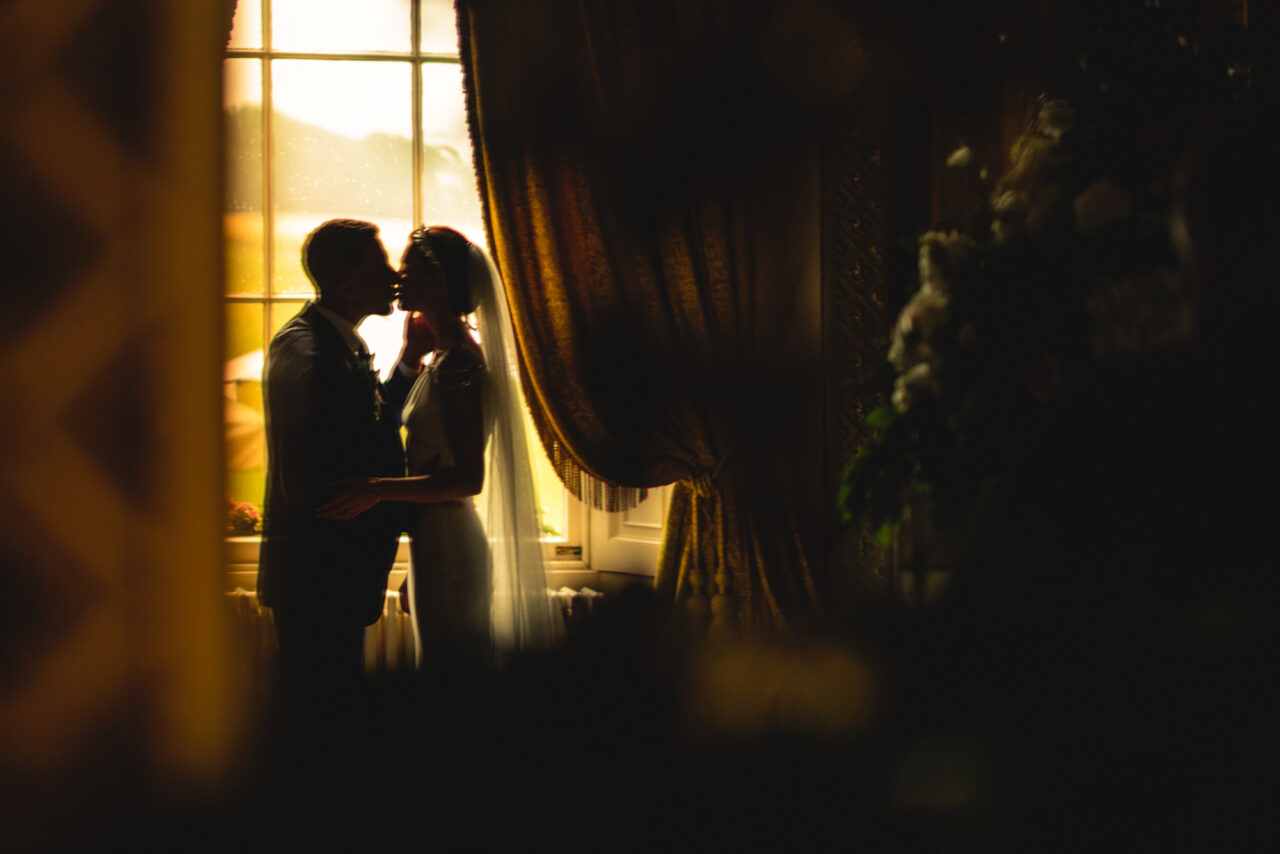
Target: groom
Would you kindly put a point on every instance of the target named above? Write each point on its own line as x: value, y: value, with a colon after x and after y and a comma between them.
x: 329, y: 417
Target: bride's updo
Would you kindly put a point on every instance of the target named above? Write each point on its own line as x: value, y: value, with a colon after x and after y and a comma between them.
x: 445, y: 250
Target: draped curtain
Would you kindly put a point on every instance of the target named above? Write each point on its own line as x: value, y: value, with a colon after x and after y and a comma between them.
x: 638, y: 161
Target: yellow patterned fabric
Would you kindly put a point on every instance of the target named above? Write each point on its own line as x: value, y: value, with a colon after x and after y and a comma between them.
x: 626, y: 160
x: 116, y: 662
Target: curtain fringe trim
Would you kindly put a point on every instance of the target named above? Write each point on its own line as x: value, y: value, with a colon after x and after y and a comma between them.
x: 588, y: 488
x: 584, y: 486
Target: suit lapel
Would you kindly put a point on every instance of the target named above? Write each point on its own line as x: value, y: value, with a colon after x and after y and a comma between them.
x: 351, y: 371
x: 327, y: 334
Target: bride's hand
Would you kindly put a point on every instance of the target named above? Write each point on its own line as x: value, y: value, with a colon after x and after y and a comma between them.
x: 355, y: 496
x: 418, y: 340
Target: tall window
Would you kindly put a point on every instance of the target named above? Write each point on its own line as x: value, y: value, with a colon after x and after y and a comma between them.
x: 335, y: 108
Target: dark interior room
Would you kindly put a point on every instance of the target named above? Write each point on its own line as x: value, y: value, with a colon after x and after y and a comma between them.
x: 891, y: 376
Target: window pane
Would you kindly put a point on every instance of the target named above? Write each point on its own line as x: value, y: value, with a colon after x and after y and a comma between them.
x: 340, y: 25
x: 242, y: 204
x: 553, y: 509
x: 281, y: 312
x: 341, y: 148
x: 289, y: 232
x: 385, y: 335
x: 449, y: 195
x: 246, y: 29
x: 439, y: 31
x: 244, y: 438
x: 242, y: 235
x: 243, y: 340
x: 242, y: 402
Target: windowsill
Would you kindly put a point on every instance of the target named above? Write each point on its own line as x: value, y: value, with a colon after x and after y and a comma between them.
x: 241, y: 571
x: 241, y: 560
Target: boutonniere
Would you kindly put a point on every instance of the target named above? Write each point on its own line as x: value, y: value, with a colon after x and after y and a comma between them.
x: 364, y: 361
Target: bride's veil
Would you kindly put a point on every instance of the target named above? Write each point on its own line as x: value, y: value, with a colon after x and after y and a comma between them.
x: 524, y: 615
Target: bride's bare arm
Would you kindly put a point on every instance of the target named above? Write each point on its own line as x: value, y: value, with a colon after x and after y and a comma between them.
x: 463, y: 412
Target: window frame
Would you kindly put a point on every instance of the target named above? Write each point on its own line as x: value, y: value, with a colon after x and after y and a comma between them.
x: 242, y: 550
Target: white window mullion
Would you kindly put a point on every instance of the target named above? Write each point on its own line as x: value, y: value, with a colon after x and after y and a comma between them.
x: 268, y: 182
x: 423, y: 121
x: 415, y: 29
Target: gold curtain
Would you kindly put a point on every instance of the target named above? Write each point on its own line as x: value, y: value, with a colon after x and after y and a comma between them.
x: 639, y: 163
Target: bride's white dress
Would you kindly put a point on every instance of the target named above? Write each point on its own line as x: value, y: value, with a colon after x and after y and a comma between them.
x: 450, y: 577
x: 478, y: 586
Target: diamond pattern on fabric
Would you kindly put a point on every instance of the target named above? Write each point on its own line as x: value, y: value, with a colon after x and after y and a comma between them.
x: 44, y: 246
x: 112, y: 421
x: 111, y: 64
x: 47, y: 593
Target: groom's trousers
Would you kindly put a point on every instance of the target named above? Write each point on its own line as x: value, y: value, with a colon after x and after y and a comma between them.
x: 320, y: 663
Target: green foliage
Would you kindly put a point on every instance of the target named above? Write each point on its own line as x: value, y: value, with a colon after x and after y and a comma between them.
x: 880, y: 417
x: 1065, y: 272
x: 545, y: 528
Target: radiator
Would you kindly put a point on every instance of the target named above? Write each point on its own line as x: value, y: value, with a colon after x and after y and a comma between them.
x: 388, y: 643
x: 255, y: 635
x: 576, y: 606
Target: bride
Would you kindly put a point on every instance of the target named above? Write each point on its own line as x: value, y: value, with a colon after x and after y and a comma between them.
x: 476, y: 582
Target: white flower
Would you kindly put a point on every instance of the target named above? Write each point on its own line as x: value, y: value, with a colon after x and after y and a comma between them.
x: 910, y: 387
x: 903, y: 338
x: 961, y: 158
x: 1010, y: 203
x: 933, y: 245
x: 1100, y: 204
x: 1010, y: 209
x: 918, y: 321
x: 927, y: 310
x: 952, y: 241
x: 1055, y: 119
x: 1036, y: 159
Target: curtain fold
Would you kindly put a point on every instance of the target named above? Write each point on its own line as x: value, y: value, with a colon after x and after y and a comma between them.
x: 637, y: 161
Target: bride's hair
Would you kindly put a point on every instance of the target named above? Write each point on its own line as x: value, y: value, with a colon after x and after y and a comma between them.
x: 447, y: 250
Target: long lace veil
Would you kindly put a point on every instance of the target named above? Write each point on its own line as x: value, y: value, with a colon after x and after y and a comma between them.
x: 524, y: 617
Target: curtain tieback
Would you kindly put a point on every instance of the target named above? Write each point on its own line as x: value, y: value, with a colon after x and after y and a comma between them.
x: 703, y: 483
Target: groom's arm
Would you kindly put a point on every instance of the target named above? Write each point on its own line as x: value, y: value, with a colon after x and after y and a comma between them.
x: 293, y: 406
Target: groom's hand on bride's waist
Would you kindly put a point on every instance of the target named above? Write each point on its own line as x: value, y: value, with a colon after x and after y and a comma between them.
x: 353, y: 496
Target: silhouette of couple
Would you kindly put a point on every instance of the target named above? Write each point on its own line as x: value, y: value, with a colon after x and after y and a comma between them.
x: 341, y: 485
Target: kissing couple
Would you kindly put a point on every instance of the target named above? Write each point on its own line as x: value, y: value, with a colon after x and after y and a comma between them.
x: 342, y: 485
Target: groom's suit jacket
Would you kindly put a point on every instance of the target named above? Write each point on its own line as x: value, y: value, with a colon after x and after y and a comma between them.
x: 327, y: 418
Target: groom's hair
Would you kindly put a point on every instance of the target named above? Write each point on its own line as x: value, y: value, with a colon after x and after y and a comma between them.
x: 333, y: 248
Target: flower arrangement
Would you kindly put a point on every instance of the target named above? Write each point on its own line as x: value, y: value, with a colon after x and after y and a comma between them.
x: 367, y: 372
x: 243, y: 519
x: 1066, y: 270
